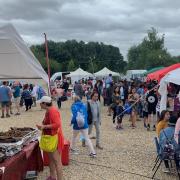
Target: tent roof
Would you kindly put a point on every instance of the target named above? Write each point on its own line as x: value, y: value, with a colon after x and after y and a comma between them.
x: 157, y: 75
x: 80, y: 72
x: 153, y: 70
x: 16, y: 59
x: 172, y: 76
x: 105, y: 72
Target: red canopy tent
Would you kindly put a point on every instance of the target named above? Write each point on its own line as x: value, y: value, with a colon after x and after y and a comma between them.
x: 158, y: 75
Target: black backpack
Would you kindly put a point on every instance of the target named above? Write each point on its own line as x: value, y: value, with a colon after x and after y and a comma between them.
x: 89, y: 113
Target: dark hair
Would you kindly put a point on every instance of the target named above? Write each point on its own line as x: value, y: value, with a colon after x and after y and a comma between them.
x: 48, y: 104
x: 26, y: 86
x: 4, y: 82
x: 93, y: 93
x: 115, y: 89
x: 162, y: 115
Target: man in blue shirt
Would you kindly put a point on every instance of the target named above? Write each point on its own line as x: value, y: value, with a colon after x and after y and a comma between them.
x: 5, y: 98
x: 108, y: 81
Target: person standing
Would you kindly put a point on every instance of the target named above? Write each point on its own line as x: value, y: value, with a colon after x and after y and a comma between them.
x: 65, y: 86
x: 34, y: 94
x: 52, y: 125
x: 133, y: 99
x: 26, y: 95
x: 115, y: 97
x: 5, y: 99
x: 59, y: 91
x: 17, y: 95
x: 78, y: 89
x: 96, y: 117
x: 152, y: 100
x: 108, y: 81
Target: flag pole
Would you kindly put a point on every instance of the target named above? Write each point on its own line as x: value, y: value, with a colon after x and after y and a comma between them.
x: 47, y: 62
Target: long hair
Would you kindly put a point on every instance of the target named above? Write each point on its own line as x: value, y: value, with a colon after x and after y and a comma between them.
x: 115, y: 90
x: 93, y: 93
x: 162, y: 115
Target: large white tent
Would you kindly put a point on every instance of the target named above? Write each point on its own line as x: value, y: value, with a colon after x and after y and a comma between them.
x: 105, y: 72
x: 171, y: 77
x: 78, y: 75
x: 16, y: 59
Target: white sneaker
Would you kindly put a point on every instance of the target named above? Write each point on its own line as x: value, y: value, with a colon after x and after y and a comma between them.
x: 92, y: 155
x: 166, y: 170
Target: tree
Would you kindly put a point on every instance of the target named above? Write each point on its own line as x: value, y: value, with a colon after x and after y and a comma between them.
x: 149, y: 53
x: 71, y: 65
x: 72, y: 54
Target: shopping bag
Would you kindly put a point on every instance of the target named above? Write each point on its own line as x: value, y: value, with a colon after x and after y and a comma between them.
x: 48, y: 143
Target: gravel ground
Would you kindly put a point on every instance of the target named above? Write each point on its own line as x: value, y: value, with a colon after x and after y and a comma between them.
x: 128, y: 154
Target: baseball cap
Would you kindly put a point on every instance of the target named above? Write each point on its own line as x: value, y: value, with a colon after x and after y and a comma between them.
x: 45, y: 99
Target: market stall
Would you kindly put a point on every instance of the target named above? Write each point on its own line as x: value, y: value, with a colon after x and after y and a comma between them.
x: 158, y: 75
x: 105, y: 72
x: 78, y: 75
x: 19, y: 152
x: 171, y: 77
x: 152, y: 70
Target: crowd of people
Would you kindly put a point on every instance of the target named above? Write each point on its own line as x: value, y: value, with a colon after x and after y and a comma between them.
x: 138, y: 100
x: 20, y: 95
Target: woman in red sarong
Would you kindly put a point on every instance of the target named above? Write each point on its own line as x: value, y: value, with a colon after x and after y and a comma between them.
x: 51, y: 125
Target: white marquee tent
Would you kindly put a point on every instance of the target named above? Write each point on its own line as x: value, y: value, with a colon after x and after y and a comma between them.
x: 171, y: 77
x: 79, y: 74
x: 105, y: 72
x: 16, y: 59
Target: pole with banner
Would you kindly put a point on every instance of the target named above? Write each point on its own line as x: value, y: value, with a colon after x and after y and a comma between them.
x: 47, y: 62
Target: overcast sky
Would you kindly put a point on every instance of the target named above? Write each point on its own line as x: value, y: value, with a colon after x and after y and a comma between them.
x: 122, y: 23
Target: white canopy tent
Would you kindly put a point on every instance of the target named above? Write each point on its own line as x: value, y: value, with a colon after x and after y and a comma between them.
x: 78, y: 75
x: 16, y: 59
x: 171, y: 77
x: 105, y: 72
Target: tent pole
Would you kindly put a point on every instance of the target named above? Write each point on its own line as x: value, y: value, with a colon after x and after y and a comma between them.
x: 47, y: 62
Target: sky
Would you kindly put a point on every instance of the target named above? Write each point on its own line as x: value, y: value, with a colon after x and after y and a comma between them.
x: 122, y: 23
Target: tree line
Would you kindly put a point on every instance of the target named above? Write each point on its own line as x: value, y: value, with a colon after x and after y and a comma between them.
x: 69, y: 55
x: 93, y: 56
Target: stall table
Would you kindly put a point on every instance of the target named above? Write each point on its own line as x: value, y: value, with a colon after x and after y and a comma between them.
x: 29, y: 159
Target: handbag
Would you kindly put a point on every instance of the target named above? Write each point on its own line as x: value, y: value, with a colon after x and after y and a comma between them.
x: 48, y: 143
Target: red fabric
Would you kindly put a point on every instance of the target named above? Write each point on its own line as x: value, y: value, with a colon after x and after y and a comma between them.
x: 27, y: 160
x: 158, y: 75
x: 53, y: 117
x: 64, y: 155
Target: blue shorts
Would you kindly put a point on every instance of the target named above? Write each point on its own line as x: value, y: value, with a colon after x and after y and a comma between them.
x: 5, y: 104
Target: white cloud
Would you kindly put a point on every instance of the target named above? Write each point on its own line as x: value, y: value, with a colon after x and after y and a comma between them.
x: 118, y: 22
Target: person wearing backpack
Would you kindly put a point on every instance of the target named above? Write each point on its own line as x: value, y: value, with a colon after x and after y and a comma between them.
x: 80, y: 124
x: 96, y: 117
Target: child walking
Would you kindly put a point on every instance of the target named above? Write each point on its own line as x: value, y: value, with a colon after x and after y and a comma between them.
x: 119, y: 113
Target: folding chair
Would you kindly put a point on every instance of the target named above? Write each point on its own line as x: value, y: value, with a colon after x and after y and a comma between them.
x: 163, y: 156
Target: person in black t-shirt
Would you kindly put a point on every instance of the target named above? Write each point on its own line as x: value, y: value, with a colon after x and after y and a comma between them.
x: 152, y: 101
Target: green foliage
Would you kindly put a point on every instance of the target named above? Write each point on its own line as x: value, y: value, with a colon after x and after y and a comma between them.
x: 71, y: 65
x: 69, y: 55
x: 149, y: 53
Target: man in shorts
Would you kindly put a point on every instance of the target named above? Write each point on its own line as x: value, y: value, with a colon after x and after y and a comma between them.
x: 5, y: 98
